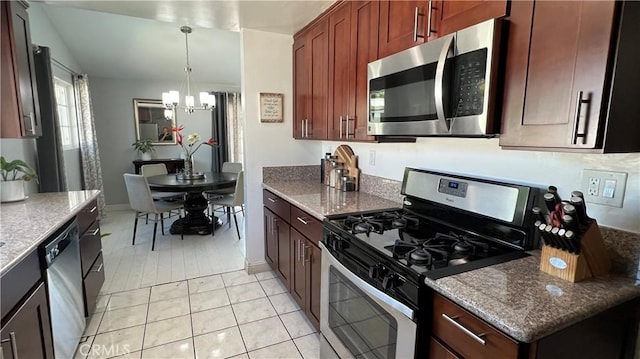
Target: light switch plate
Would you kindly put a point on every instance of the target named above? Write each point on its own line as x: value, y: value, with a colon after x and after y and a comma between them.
x: 593, y: 187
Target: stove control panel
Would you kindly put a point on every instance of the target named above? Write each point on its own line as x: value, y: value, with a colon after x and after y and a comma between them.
x: 454, y: 188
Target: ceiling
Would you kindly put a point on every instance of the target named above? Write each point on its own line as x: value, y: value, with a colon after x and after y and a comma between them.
x: 142, y: 40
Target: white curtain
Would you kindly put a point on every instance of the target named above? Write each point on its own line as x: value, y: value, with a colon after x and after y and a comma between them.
x: 92, y: 174
x: 235, y: 136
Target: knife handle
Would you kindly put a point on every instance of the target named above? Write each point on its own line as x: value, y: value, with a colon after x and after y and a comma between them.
x: 550, y: 201
x: 581, y: 211
x: 550, y: 237
x: 538, y: 214
x: 554, y: 190
x: 573, y: 239
x: 545, y: 237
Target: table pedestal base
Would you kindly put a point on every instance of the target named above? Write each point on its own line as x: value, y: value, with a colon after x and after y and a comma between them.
x: 196, y: 221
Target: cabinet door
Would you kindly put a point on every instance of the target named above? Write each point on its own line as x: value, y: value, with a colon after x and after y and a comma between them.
x: 92, y: 284
x: 270, y: 242
x: 339, y: 71
x: 318, y: 42
x: 556, y: 73
x: 312, y: 257
x: 25, y: 70
x: 281, y: 229
x: 11, y: 109
x: 27, y: 334
x: 456, y: 15
x: 364, y: 49
x: 439, y: 351
x: 301, y: 87
x: 298, y: 275
x: 403, y: 24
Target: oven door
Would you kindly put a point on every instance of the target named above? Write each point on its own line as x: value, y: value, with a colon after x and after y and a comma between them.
x: 358, y: 320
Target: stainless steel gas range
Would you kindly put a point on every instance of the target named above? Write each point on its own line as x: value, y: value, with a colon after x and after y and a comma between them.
x: 374, y: 302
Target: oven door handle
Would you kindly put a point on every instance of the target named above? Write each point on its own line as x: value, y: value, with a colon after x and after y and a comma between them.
x: 372, y: 291
x: 443, y: 125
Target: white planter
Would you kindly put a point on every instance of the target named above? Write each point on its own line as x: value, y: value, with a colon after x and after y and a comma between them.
x: 146, y: 156
x: 12, y: 191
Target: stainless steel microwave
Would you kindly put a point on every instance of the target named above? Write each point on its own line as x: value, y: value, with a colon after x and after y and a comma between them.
x: 445, y: 87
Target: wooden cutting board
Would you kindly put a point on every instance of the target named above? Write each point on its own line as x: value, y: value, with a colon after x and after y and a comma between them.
x: 349, y: 161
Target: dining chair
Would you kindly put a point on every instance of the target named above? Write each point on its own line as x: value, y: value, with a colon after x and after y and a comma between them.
x: 141, y: 201
x: 229, y: 167
x: 232, y: 201
x: 157, y: 169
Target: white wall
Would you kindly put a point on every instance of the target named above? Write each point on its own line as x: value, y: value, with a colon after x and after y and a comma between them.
x: 113, y: 111
x: 484, y: 158
x: 267, y: 67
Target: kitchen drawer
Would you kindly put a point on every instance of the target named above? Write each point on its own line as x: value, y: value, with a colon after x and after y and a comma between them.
x: 90, y: 246
x: 306, y: 224
x: 18, y: 281
x: 467, y: 335
x: 92, y: 285
x: 87, y: 216
x: 438, y: 351
x: 276, y: 204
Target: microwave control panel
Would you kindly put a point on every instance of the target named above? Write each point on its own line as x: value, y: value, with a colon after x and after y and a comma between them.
x: 469, y: 83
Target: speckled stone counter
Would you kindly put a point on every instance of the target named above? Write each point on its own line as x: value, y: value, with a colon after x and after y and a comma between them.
x: 528, y: 304
x: 24, y: 225
x: 320, y: 201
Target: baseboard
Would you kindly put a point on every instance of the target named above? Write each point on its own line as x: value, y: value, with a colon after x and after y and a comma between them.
x: 117, y: 207
x: 256, y: 267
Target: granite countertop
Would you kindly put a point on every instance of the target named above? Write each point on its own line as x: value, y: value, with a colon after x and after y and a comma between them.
x: 320, y: 201
x: 527, y: 304
x: 25, y: 224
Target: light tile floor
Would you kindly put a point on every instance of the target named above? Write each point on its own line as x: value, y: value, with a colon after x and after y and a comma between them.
x: 228, y: 315
x: 188, y: 299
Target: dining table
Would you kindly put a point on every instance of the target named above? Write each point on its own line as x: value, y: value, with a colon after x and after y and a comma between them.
x: 195, y: 221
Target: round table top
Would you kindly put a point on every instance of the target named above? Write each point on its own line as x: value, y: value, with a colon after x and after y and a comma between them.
x: 169, y: 182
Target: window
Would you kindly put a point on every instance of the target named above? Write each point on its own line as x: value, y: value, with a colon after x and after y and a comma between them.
x: 66, y: 105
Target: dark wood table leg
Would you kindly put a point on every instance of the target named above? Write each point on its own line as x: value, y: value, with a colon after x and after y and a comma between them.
x: 196, y: 221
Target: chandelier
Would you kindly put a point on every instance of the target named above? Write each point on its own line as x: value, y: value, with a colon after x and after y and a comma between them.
x: 171, y: 99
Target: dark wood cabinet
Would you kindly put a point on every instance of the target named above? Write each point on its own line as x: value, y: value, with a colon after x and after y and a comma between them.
x: 311, y: 56
x: 20, y: 108
x: 456, y: 15
x: 174, y: 165
x: 569, y: 76
x: 438, y: 351
x: 405, y: 24
x: 90, y: 255
x: 27, y: 333
x: 291, y: 249
x: 353, y: 43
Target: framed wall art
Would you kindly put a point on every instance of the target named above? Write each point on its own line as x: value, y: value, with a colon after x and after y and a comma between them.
x: 271, y: 107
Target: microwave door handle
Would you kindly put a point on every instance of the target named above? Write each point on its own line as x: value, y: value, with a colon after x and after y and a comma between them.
x: 443, y: 126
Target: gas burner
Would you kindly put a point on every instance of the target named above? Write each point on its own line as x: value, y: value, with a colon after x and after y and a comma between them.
x: 463, y: 247
x: 405, y: 221
x: 420, y: 257
x: 363, y: 224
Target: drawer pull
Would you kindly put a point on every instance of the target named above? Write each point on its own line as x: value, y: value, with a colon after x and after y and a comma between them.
x: 96, y: 231
x: 271, y: 200
x: 14, y: 346
x: 302, y: 220
x: 99, y: 268
x: 93, y: 209
x: 461, y: 327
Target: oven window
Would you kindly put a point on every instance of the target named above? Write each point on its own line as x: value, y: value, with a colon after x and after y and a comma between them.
x: 366, y: 329
x: 404, y: 96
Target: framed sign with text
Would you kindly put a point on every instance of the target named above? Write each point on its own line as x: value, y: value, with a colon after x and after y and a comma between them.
x: 271, y: 107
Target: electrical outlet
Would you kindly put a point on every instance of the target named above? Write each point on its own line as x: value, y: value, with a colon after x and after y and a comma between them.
x: 604, y: 187
x: 594, y: 186
x: 372, y: 157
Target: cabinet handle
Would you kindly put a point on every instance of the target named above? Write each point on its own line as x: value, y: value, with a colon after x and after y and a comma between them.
x: 272, y: 200
x: 96, y: 231
x: 304, y: 255
x: 431, y: 8
x: 32, y: 128
x: 14, y: 345
x: 347, y: 121
x: 302, y: 220
x: 340, y: 126
x: 579, y: 102
x: 99, y: 268
x: 415, y: 25
x: 465, y: 330
x: 93, y: 209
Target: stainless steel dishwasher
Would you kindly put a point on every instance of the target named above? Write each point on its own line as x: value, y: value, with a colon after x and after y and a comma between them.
x: 64, y: 284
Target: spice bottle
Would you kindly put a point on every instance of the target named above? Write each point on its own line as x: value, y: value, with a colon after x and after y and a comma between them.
x: 328, y: 167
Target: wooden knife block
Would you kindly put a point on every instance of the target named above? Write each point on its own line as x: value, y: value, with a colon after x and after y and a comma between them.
x: 593, y: 259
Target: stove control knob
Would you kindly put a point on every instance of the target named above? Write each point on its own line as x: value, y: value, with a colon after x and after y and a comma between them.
x: 336, y: 244
x: 390, y: 281
x: 377, y: 271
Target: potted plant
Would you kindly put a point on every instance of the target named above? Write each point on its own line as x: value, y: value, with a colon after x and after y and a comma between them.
x: 144, y: 147
x: 14, y: 174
